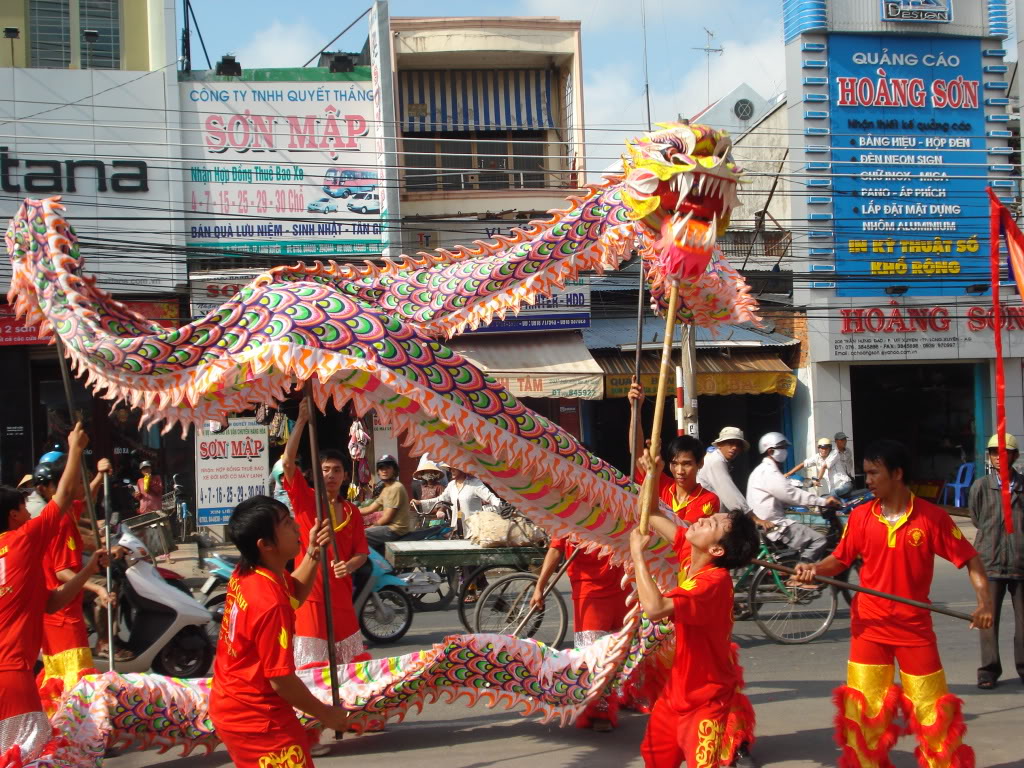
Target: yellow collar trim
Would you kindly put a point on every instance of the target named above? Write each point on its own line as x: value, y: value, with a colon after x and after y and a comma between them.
x: 291, y: 598
x: 893, y: 527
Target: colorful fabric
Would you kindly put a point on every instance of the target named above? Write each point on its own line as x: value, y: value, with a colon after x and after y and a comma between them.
x: 255, y: 645
x: 694, y: 736
x: 310, y: 618
x: 899, y: 558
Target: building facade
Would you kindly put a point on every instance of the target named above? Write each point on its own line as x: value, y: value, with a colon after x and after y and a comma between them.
x: 898, y: 122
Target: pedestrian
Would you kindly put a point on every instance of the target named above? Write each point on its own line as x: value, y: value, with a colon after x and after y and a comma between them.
x: 466, y: 495
x: 816, y: 464
x: 149, y: 489
x: 1002, y: 554
x: 769, y: 494
x: 897, y: 537
x: 275, y: 485
x: 689, y: 722
x: 599, y: 608
x: 714, y: 475
x: 255, y: 690
x: 24, y: 598
x: 427, y: 485
x: 392, y: 503
x: 349, y: 550
x: 844, y: 464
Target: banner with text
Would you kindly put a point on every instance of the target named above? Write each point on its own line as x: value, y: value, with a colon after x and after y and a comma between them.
x: 909, y: 167
x: 283, y: 163
x: 231, y: 466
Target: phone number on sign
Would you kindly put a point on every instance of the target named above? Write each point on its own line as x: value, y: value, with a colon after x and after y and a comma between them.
x: 229, y: 494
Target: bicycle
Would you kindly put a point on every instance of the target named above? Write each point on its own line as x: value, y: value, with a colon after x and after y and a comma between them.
x: 504, y: 609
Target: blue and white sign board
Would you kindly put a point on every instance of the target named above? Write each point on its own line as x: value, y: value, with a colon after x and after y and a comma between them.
x: 231, y: 466
x: 565, y: 310
x: 908, y: 162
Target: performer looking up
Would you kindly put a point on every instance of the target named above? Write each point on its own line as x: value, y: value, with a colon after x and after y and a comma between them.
x: 598, y: 609
x: 689, y: 721
x: 310, y: 619
x: 24, y: 729
x: 255, y: 690
x: 897, y: 536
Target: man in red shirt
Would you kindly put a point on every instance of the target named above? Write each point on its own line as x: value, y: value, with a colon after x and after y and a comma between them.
x: 689, y: 721
x: 66, y: 653
x: 255, y: 690
x: 897, y: 536
x: 680, y: 490
x: 599, y: 608
x: 24, y: 597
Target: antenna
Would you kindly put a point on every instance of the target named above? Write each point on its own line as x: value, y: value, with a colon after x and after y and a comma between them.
x: 708, y: 50
x: 647, y: 80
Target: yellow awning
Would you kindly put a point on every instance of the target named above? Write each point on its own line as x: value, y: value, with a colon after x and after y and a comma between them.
x: 556, y: 364
x: 741, y: 372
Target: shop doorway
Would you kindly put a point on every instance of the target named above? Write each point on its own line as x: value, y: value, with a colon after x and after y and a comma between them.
x: 929, y: 408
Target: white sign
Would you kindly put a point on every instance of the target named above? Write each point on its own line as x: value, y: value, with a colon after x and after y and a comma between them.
x: 231, y: 466
x: 860, y: 330
x: 214, y: 290
x: 282, y: 165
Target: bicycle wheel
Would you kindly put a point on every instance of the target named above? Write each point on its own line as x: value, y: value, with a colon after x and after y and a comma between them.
x: 791, y: 615
x: 505, y: 603
x: 474, y: 582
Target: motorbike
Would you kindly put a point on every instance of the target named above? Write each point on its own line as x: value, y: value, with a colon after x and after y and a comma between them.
x: 165, y: 625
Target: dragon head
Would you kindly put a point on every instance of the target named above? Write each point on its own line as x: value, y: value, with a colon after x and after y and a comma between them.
x: 681, y: 182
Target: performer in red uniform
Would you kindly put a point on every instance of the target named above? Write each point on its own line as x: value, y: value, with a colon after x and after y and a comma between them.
x: 690, y: 721
x: 599, y: 608
x: 352, y: 551
x: 66, y: 652
x: 24, y: 728
x: 255, y: 689
x: 898, y: 535
x: 687, y: 457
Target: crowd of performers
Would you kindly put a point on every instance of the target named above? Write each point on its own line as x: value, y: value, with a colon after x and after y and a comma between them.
x: 274, y: 621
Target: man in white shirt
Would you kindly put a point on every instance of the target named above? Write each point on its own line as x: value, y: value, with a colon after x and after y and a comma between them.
x: 714, y: 475
x: 769, y: 493
x: 841, y: 470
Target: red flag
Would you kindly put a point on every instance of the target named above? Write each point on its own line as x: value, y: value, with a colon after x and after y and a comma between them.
x: 1001, y: 223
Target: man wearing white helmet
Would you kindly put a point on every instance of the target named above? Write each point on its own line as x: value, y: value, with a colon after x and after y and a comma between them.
x: 769, y: 493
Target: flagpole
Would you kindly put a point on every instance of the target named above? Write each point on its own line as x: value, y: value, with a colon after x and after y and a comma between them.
x: 997, y: 218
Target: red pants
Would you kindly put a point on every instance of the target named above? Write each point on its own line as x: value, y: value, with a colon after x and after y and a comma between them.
x: 695, y: 736
x: 913, y: 659
x: 281, y: 745
x: 20, y: 694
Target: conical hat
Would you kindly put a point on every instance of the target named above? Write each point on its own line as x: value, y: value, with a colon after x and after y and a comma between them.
x: 425, y: 465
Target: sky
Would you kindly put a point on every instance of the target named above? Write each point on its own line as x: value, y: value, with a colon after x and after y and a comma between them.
x: 271, y: 33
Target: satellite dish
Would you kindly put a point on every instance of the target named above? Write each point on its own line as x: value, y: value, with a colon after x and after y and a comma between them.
x: 743, y: 109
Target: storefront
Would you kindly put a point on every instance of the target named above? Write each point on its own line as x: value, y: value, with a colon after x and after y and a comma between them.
x: 919, y: 371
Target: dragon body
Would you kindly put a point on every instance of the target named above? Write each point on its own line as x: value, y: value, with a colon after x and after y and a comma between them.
x: 368, y: 335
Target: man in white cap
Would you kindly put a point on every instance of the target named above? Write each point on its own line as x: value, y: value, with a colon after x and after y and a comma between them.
x: 1002, y: 554
x: 714, y: 475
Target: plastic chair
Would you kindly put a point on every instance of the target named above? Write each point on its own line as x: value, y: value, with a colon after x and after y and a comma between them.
x: 964, y: 478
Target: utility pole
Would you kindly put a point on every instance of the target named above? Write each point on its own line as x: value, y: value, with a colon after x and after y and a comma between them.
x: 688, y: 358
x: 708, y: 50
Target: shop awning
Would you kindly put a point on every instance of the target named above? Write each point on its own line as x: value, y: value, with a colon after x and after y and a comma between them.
x: 740, y: 372
x: 537, y: 365
x: 485, y: 100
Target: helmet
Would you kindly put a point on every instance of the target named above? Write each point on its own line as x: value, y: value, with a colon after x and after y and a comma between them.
x: 44, y: 474
x: 771, y: 440
x: 1011, y: 442
x: 387, y: 459
x: 53, y: 457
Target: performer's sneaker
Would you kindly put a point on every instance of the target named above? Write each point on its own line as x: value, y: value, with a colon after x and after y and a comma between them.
x: 320, y: 749
x: 744, y: 759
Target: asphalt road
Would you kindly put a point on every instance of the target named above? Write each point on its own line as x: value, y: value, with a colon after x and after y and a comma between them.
x: 790, y: 687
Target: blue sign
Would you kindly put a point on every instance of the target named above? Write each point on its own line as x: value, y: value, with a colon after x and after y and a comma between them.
x: 566, y: 309
x: 909, y: 164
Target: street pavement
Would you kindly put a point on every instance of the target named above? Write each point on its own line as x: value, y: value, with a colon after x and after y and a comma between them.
x: 789, y: 686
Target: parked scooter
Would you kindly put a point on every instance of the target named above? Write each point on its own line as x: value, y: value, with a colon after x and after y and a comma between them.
x: 165, y: 625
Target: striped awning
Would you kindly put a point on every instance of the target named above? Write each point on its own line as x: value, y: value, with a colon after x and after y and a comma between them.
x: 465, y: 100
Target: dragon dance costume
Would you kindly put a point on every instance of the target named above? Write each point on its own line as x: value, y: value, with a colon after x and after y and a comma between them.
x: 898, y: 558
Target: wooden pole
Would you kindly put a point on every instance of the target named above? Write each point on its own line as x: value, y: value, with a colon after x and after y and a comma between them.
x: 650, y: 481
x: 108, y: 507
x: 65, y: 373
x: 855, y: 588
x: 322, y: 512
